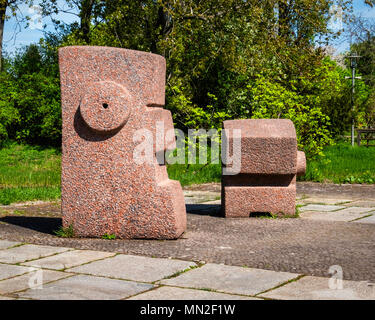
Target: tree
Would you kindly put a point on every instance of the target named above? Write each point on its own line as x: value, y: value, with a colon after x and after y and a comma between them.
x: 85, y: 10
x: 13, y: 6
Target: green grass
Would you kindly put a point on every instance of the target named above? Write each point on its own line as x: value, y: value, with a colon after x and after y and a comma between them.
x: 107, y: 236
x: 31, y: 173
x: 343, y: 163
x: 195, y: 173
x: 65, y: 232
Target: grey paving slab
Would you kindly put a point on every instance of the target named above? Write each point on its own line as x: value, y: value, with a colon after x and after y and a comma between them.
x: 5, y: 244
x: 69, y: 259
x: 345, y: 215
x: 355, y: 210
x: 326, y: 201
x: 370, y: 219
x: 229, y: 279
x: 362, y: 203
x: 28, y: 252
x: 194, y: 197
x: 316, y: 288
x: 23, y: 282
x: 83, y: 287
x: 321, y: 207
x: 7, y: 271
x: 6, y: 298
x: 134, y: 268
x: 172, y: 293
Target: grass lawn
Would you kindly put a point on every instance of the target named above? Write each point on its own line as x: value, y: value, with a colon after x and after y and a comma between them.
x: 31, y: 173
x: 343, y: 163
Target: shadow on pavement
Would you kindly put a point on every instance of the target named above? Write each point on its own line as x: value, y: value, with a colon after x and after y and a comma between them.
x: 204, y: 209
x: 41, y: 224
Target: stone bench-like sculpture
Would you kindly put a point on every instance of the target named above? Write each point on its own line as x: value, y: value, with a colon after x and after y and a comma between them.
x: 107, y: 95
x: 270, y: 162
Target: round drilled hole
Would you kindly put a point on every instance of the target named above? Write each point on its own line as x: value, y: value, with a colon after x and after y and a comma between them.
x: 105, y: 105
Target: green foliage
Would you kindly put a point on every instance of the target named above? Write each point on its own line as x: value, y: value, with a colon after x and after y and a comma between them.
x: 226, y: 59
x: 107, y: 236
x: 65, y: 232
x: 30, y: 98
x: 9, y: 114
x: 271, y: 100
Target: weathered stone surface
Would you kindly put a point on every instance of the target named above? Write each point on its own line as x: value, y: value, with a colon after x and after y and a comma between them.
x: 83, y: 287
x: 134, y: 268
x: 326, y: 201
x: 170, y: 293
x: 22, y: 282
x: 69, y: 259
x: 321, y: 207
x: 363, y: 204
x: 5, y: 244
x: 107, y: 95
x: 370, y: 220
x: 270, y: 162
x: 6, y: 298
x: 28, y: 252
x: 230, y: 279
x: 7, y: 271
x: 315, y: 288
x: 345, y: 215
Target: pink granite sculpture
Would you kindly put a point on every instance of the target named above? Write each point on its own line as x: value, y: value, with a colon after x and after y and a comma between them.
x: 107, y: 95
x: 270, y: 162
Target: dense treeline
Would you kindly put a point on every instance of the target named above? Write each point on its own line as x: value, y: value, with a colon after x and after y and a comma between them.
x: 225, y: 59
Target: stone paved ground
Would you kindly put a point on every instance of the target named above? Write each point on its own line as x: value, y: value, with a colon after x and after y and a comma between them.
x: 250, y: 256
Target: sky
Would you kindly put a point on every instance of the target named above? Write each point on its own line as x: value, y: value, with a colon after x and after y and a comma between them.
x: 15, y: 37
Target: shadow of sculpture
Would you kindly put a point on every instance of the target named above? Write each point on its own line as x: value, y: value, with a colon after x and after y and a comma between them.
x: 46, y: 225
x: 213, y: 210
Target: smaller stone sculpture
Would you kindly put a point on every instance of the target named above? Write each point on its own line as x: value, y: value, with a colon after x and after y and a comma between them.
x: 270, y: 162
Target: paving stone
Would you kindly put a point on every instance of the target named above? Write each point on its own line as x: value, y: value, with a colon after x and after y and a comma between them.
x: 362, y: 203
x: 5, y: 244
x: 171, y: 293
x: 84, y: 287
x: 69, y: 259
x: 355, y: 210
x: 7, y: 271
x: 316, y: 288
x: 193, y: 197
x: 22, y: 282
x: 6, y: 298
x: 229, y: 279
x: 321, y: 207
x: 326, y: 201
x: 134, y: 268
x: 345, y: 215
x: 28, y: 252
x: 370, y: 219
x: 215, y: 202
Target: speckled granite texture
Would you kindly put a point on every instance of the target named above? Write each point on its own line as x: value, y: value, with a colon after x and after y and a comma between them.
x: 270, y: 163
x: 107, y: 95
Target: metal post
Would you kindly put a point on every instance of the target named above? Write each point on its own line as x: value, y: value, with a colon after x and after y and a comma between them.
x: 353, y: 64
x: 353, y: 94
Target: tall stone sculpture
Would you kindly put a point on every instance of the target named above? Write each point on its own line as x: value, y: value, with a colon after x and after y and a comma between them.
x: 269, y: 163
x: 107, y: 95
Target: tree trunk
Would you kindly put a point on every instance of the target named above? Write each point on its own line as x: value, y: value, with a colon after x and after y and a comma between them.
x: 3, y: 7
x: 86, y: 15
x: 284, y: 21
